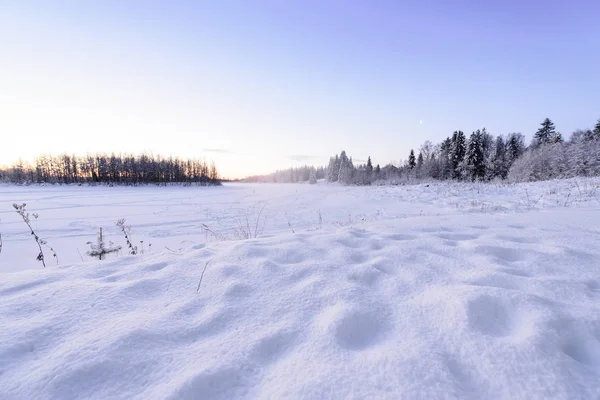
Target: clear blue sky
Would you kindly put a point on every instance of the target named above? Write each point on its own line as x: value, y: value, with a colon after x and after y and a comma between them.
x: 260, y: 85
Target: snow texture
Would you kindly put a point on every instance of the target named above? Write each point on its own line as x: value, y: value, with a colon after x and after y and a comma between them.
x: 445, y: 291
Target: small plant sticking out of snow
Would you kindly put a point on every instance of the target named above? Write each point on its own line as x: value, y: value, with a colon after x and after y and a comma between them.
x: 210, y: 232
x: 149, y: 246
x: 126, y: 229
x: 531, y: 203
x: 20, y: 208
x: 99, y: 249
x: 245, y: 229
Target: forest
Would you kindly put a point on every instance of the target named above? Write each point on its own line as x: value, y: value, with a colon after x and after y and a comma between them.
x: 114, y: 169
x: 477, y: 157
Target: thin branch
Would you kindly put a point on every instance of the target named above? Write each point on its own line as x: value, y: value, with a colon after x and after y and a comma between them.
x: 258, y: 219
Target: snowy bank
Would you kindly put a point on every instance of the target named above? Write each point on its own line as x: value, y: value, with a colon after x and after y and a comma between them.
x: 479, y: 306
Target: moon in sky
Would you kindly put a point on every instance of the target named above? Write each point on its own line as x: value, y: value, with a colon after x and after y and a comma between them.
x: 421, y: 122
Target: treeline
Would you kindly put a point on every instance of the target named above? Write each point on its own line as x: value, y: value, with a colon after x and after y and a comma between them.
x: 290, y: 175
x: 117, y: 169
x: 484, y: 157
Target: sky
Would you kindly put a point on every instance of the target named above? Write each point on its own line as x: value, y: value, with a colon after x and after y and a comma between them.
x: 262, y: 85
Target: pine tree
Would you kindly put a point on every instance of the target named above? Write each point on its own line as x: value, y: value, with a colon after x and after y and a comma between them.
x: 488, y: 143
x: 333, y: 169
x: 515, y: 146
x: 420, y: 161
x: 369, y: 166
x: 499, y: 163
x: 458, y: 150
x: 345, y: 172
x: 546, y: 133
x: 474, y: 158
x: 411, y: 159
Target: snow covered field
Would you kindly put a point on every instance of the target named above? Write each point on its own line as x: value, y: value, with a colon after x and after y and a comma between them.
x: 429, y: 291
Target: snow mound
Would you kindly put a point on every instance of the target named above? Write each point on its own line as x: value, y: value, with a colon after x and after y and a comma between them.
x: 464, y: 306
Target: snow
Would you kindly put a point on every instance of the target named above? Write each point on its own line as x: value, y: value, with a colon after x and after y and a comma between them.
x: 436, y: 291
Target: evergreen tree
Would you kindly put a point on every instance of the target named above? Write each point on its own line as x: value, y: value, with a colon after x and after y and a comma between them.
x: 499, y: 163
x: 420, y: 161
x: 546, y: 133
x: 333, y: 170
x: 411, y: 159
x: 488, y: 143
x: 458, y: 151
x: 515, y: 147
x: 345, y: 172
x: 369, y: 171
x: 474, y: 158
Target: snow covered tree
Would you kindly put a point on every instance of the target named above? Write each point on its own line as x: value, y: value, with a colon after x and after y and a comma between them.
x: 427, y: 150
x: 333, y: 170
x: 556, y: 138
x: 369, y: 171
x: 580, y: 135
x: 499, y: 162
x: 474, y: 159
x: 546, y: 133
x: 411, y: 159
x: 445, y: 161
x: 457, y: 152
x: 420, y: 161
x: 515, y: 146
x: 345, y: 172
x: 487, y: 142
x: 100, y: 249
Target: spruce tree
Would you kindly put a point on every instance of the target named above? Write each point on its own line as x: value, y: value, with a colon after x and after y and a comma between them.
x: 411, y: 159
x: 420, y: 161
x: 475, y: 156
x: 546, y: 133
x: 369, y: 166
x: 515, y: 147
x: 458, y: 150
x: 499, y: 162
x: 346, y: 166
